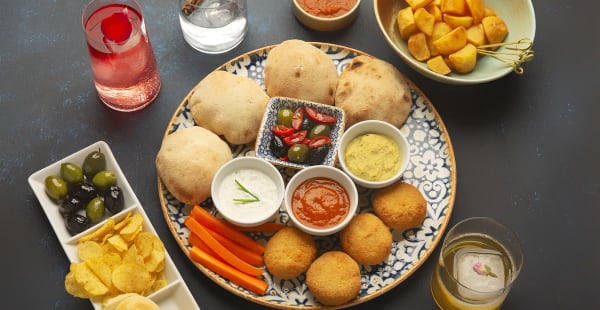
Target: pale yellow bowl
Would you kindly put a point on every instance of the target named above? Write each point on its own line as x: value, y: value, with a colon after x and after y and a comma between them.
x: 518, y: 15
x: 324, y: 23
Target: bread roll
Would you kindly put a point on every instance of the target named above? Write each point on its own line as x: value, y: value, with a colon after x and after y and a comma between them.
x: 188, y: 161
x: 229, y: 105
x: 131, y: 301
x: 370, y: 88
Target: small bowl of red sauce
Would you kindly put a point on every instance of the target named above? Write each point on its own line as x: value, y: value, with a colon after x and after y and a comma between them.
x: 321, y: 200
x: 326, y: 15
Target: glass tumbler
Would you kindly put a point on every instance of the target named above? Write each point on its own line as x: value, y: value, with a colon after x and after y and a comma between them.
x: 121, y: 56
x: 480, y: 260
x: 213, y: 26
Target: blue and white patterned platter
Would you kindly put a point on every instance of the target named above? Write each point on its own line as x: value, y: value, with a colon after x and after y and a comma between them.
x: 432, y: 169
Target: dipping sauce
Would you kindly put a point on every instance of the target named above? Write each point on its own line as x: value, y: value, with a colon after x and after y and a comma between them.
x: 239, y: 204
x: 373, y: 157
x: 327, y: 8
x: 320, y: 203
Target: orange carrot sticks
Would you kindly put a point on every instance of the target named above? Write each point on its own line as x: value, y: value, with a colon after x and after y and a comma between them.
x: 250, y: 283
x: 247, y: 255
x: 210, y: 221
x: 218, y: 248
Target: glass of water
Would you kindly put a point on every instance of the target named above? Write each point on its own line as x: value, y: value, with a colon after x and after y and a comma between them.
x: 213, y: 26
x: 479, y: 261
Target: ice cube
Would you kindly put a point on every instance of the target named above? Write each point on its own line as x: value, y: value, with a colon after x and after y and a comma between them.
x: 480, y: 271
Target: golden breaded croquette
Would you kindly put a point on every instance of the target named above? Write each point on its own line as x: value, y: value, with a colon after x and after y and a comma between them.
x: 400, y: 206
x: 289, y: 253
x: 334, y: 278
x: 367, y: 239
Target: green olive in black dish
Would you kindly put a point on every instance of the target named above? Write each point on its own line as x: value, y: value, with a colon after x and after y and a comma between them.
x: 284, y: 117
x: 93, y: 163
x: 95, y: 210
x: 56, y: 187
x: 298, y: 153
x: 320, y: 130
x: 104, y: 179
x: 71, y: 173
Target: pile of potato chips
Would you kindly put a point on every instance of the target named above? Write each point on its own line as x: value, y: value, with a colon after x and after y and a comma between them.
x: 117, y: 258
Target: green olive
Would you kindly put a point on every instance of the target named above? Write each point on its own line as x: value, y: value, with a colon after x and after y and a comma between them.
x: 71, y: 173
x: 93, y: 163
x: 56, y: 187
x: 94, y: 210
x: 104, y: 179
x: 298, y: 153
x: 284, y: 117
x: 320, y: 130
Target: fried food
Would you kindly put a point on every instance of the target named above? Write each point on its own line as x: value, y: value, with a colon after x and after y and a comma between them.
x: 367, y: 239
x: 400, y: 206
x: 334, y: 278
x: 370, y: 88
x: 289, y: 253
x: 297, y: 69
x: 188, y: 160
x: 229, y: 105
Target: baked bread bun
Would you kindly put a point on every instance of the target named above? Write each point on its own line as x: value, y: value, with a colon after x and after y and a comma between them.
x: 131, y: 301
x: 370, y: 88
x: 229, y: 105
x: 188, y: 160
x: 367, y: 239
x: 334, y: 278
x: 297, y: 69
x: 400, y: 206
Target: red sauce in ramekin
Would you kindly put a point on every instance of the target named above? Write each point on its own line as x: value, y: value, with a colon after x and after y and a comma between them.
x: 327, y: 8
x: 320, y: 203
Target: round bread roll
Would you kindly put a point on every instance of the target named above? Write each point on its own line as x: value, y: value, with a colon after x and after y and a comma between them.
x: 289, y: 253
x: 229, y: 105
x: 334, y: 278
x: 297, y: 69
x: 188, y: 160
x: 370, y: 88
x: 367, y: 239
x: 400, y: 206
x: 131, y: 301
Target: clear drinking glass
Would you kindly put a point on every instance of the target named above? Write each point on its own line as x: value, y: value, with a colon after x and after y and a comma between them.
x: 121, y: 56
x: 480, y: 260
x: 213, y: 26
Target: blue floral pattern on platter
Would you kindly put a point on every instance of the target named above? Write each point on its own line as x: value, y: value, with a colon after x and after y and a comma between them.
x: 432, y: 169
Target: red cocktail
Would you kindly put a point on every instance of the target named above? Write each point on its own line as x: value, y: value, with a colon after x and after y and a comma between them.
x: 122, y: 59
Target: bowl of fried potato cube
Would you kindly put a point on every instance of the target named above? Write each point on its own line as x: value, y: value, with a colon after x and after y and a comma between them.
x: 459, y: 42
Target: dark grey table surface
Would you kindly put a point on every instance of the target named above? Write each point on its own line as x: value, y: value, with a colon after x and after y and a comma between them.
x: 526, y: 146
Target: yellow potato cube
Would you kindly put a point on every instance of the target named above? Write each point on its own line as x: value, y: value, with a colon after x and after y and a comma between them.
x: 432, y: 50
x: 406, y: 23
x: 455, y: 21
x: 424, y: 21
x: 439, y: 30
x: 417, y: 46
x: 437, y: 3
x: 452, y: 41
x: 438, y: 65
x: 488, y: 12
x: 475, y: 35
x: 435, y: 11
x: 494, y: 28
x: 477, y: 10
x: 464, y: 60
x: 455, y: 7
x: 415, y: 4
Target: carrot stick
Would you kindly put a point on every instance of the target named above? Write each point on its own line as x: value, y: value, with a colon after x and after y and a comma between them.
x: 247, y: 255
x: 266, y: 227
x: 195, y: 241
x: 210, y: 221
x: 218, y: 248
x: 250, y: 283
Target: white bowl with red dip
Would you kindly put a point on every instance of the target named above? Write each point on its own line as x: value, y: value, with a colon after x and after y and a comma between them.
x: 324, y: 15
x: 321, y: 200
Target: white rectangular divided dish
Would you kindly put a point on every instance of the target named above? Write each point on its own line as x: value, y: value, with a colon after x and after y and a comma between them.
x: 175, y: 295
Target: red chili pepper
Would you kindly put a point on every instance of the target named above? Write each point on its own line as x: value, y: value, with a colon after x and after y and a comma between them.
x: 295, y: 138
x: 297, y: 118
x: 319, y: 141
x: 318, y: 116
x: 282, y: 130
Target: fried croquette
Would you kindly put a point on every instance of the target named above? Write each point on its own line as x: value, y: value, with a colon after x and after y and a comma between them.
x: 367, y: 239
x: 400, y: 206
x: 334, y: 278
x: 289, y: 253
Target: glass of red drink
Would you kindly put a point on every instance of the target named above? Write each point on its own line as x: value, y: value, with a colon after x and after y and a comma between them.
x: 121, y: 56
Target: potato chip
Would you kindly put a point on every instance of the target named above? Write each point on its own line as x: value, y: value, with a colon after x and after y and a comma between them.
x: 131, y: 278
x: 100, y: 232
x: 112, y: 260
x: 156, y: 261
x: 101, y: 269
x: 88, y: 280
x: 89, y: 249
x: 132, y: 256
x: 73, y: 287
x: 118, y: 243
x: 144, y: 242
x: 130, y: 231
x: 123, y: 222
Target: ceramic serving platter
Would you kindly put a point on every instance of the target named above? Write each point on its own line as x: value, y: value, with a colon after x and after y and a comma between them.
x: 432, y: 169
x: 175, y: 295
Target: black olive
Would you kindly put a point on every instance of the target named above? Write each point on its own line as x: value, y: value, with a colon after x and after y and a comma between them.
x: 278, y: 147
x: 70, y: 205
x: 316, y: 155
x: 307, y: 124
x: 76, y: 223
x: 84, y: 191
x: 113, y: 199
